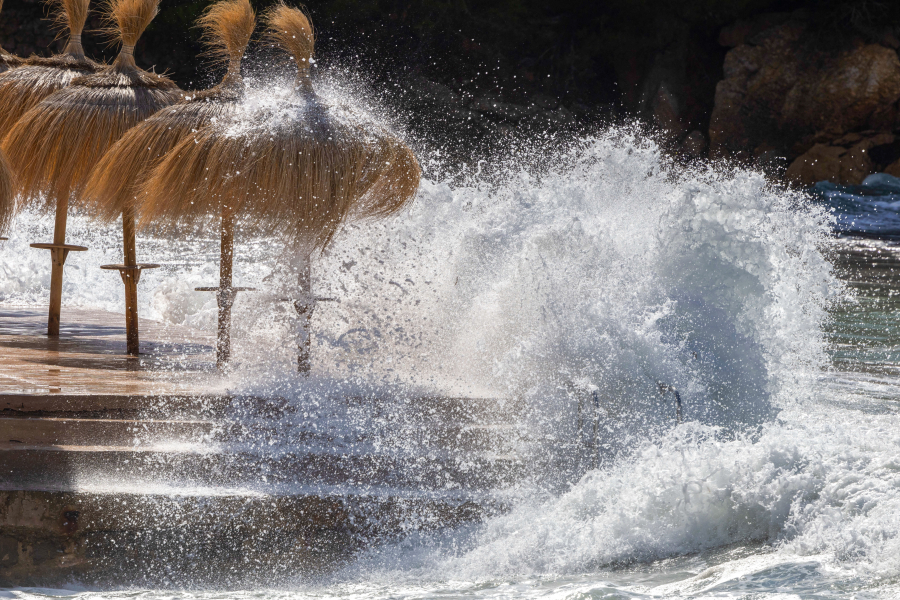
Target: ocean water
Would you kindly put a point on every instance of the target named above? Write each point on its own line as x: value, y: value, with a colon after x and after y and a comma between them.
x: 611, y: 274
x: 871, y: 209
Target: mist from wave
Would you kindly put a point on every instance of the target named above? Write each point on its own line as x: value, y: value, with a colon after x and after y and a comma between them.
x: 583, y: 289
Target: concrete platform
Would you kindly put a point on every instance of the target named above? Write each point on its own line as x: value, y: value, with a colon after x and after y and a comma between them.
x: 120, y: 470
x: 89, y: 357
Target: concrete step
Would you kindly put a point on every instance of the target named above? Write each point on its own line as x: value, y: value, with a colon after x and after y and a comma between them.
x: 439, y: 435
x: 102, y: 432
x: 450, y: 424
x: 35, y: 465
x: 414, y: 409
x: 392, y: 411
x: 444, y: 436
x: 55, y: 537
x: 472, y: 409
x: 498, y: 438
x: 115, y: 406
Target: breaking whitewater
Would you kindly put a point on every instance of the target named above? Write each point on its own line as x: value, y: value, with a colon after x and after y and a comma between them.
x: 585, y: 293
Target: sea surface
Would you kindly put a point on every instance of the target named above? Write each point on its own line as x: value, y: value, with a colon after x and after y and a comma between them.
x: 607, y: 271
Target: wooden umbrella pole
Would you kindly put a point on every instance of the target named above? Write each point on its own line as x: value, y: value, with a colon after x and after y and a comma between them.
x: 130, y: 271
x: 58, y: 258
x: 304, y: 307
x: 130, y: 279
x: 226, y: 293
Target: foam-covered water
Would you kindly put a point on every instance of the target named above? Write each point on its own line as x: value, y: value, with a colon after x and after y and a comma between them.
x: 588, y: 289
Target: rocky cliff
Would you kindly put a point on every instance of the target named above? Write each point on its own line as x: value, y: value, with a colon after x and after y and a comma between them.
x: 806, y: 89
x: 827, y: 111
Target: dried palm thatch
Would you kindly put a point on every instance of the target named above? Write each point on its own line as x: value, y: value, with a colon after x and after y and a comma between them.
x: 7, y: 195
x: 113, y: 185
x: 8, y: 61
x: 297, y: 171
x: 227, y: 27
x: 54, y: 146
x: 38, y: 77
x: 395, y: 187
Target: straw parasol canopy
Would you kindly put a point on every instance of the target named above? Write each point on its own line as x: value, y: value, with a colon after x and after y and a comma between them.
x: 297, y: 171
x: 112, y: 187
x: 55, y: 145
x: 8, y: 61
x: 38, y: 77
x: 7, y: 195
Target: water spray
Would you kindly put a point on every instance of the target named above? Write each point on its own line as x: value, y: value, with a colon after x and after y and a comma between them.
x: 298, y: 171
x: 7, y: 194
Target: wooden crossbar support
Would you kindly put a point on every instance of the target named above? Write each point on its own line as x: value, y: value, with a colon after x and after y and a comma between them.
x: 131, y: 275
x: 58, y: 255
x: 130, y: 271
x: 305, y: 307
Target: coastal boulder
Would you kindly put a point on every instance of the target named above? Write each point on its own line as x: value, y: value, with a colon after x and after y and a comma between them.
x: 847, y: 160
x: 820, y: 163
x: 783, y: 90
x: 893, y: 169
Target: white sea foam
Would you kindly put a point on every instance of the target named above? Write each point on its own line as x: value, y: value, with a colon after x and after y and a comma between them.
x: 689, y: 492
x: 810, y: 505
x: 608, y: 273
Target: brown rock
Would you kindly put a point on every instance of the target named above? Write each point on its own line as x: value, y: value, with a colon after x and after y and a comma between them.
x: 819, y: 163
x: 726, y: 141
x: 741, y: 31
x: 850, y: 138
x: 893, y: 169
x: 772, y: 163
x: 694, y: 144
x: 879, y: 139
x: 855, y: 166
x: 780, y: 90
x: 858, y: 90
x: 890, y: 40
x: 837, y: 164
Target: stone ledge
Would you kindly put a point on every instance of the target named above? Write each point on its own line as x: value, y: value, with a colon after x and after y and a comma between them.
x: 54, y: 538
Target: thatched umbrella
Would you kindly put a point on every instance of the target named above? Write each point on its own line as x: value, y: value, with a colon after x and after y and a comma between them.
x: 8, y: 61
x: 297, y: 171
x: 112, y: 186
x: 55, y: 145
x: 38, y: 77
x: 7, y: 195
